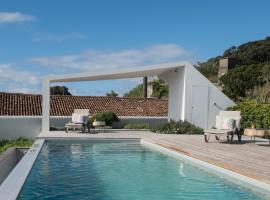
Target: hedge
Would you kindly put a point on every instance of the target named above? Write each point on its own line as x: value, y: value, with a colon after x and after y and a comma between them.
x: 180, y: 127
x: 137, y: 126
x: 108, y: 117
x: 253, y: 114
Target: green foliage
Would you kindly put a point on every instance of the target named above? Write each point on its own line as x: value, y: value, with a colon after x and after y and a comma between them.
x: 238, y: 81
x: 135, y: 92
x: 108, y: 117
x: 21, y: 142
x: 59, y: 90
x: 111, y: 94
x: 210, y: 68
x: 253, y: 114
x: 160, y: 90
x: 180, y: 127
x: 254, y: 52
x: 137, y: 126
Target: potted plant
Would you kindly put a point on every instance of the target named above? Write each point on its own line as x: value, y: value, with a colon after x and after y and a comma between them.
x: 104, y: 118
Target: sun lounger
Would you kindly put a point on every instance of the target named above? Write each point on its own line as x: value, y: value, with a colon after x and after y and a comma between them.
x: 227, y: 124
x: 80, y: 119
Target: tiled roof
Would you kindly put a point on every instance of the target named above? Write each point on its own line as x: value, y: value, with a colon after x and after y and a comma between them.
x: 16, y: 104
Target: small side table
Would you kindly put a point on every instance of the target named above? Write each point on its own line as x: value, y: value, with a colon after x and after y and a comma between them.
x: 99, y: 125
x: 252, y: 132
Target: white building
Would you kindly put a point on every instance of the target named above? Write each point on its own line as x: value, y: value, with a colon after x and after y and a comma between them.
x: 192, y: 97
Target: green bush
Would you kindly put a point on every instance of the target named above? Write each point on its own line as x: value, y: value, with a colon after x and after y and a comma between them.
x: 137, y: 126
x: 21, y: 142
x: 108, y: 117
x: 253, y: 114
x: 180, y: 127
x: 238, y: 81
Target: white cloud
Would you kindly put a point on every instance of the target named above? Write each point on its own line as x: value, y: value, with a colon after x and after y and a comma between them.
x: 14, y: 17
x: 91, y: 60
x: 38, y: 37
x: 13, y: 80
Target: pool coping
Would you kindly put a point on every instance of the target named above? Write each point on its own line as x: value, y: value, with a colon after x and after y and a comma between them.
x: 10, y: 188
x: 239, y: 179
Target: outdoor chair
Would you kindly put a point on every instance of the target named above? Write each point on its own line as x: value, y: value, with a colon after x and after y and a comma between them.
x: 80, y: 120
x: 227, y: 124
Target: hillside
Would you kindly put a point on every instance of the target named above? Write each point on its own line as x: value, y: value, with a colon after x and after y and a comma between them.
x: 250, y: 77
x: 255, y: 52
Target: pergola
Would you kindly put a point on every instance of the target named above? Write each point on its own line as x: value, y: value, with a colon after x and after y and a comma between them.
x: 191, y: 96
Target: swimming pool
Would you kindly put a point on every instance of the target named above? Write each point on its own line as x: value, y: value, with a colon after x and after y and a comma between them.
x: 120, y: 170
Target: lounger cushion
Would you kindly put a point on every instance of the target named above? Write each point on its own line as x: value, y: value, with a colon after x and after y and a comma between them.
x: 77, y: 118
x: 228, y: 123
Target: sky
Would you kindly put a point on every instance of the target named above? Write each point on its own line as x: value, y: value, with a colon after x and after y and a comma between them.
x: 39, y: 38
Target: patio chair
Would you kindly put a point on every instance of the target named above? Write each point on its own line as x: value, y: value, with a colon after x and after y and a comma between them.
x: 80, y: 119
x: 228, y: 124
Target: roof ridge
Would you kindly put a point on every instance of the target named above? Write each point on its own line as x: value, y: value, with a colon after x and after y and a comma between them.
x: 19, y: 93
x: 105, y: 97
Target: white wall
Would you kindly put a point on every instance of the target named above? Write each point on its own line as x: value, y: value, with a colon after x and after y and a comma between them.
x: 217, y: 100
x: 176, y: 81
x: 12, y: 127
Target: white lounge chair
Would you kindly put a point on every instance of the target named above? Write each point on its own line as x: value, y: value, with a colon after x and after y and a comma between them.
x: 80, y: 119
x: 220, y: 129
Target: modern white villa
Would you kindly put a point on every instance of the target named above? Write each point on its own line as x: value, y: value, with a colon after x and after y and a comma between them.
x: 192, y: 97
x: 122, y: 163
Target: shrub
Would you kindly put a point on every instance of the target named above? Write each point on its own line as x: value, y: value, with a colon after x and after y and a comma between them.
x: 180, y: 127
x: 253, y: 114
x: 238, y: 81
x: 108, y: 117
x: 137, y: 126
x: 20, y: 142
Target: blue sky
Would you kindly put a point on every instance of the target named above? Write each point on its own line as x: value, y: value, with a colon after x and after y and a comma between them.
x: 39, y: 38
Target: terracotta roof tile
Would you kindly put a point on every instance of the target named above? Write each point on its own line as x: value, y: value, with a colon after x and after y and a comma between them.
x: 16, y: 104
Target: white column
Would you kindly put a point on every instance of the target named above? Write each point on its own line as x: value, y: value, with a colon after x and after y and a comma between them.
x: 175, y: 79
x: 45, y: 105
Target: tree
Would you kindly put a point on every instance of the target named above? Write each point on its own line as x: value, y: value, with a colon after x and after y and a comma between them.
x: 160, y: 90
x: 135, y: 92
x: 254, y: 52
x: 112, y: 94
x: 210, y: 68
x: 238, y: 81
x: 59, y: 90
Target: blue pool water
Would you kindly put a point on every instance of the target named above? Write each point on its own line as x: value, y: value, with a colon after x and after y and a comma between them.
x: 107, y: 170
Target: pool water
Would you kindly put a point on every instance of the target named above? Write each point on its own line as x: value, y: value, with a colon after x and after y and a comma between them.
x: 115, y: 170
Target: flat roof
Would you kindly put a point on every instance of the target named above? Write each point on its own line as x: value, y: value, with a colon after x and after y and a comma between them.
x: 150, y: 70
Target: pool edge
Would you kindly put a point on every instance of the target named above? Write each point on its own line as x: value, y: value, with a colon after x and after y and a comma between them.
x: 11, y: 187
x: 242, y: 180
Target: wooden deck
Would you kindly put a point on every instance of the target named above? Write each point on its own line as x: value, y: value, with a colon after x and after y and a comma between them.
x: 246, y: 158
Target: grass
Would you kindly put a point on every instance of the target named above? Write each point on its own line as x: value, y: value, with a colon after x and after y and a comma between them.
x: 20, y: 142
